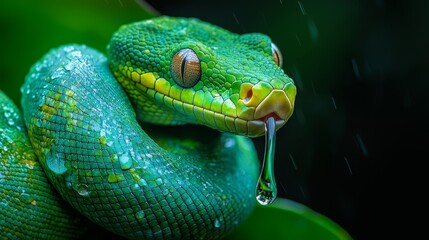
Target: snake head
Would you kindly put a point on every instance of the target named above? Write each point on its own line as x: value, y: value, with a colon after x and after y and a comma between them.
x: 179, y: 71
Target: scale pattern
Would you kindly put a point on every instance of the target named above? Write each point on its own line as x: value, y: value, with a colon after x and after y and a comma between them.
x: 29, y: 206
x: 97, y: 156
x: 138, y: 180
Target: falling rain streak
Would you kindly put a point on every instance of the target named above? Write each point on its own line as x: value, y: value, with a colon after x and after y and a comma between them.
x: 361, y: 145
x: 298, y: 40
x: 293, y: 161
x: 235, y: 17
x: 333, y: 102
x: 348, y: 165
x: 302, y: 8
x: 266, y: 190
x: 355, y: 68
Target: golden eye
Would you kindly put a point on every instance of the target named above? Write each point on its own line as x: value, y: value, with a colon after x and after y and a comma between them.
x: 186, y: 68
x: 277, y: 55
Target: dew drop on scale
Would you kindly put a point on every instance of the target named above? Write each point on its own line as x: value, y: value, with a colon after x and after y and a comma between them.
x: 266, y: 190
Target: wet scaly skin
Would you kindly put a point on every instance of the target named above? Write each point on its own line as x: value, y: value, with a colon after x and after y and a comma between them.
x: 176, y: 183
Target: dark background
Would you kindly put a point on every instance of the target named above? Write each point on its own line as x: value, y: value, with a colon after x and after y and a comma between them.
x: 356, y: 142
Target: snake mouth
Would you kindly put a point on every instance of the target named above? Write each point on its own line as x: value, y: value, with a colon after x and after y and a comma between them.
x: 273, y: 115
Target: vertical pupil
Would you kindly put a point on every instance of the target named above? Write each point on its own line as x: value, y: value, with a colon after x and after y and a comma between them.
x: 277, y: 57
x: 183, y: 66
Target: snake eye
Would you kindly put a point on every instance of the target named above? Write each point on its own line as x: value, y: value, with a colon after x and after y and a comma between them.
x: 277, y: 55
x: 186, y: 68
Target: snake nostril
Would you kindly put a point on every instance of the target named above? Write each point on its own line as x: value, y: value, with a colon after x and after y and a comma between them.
x: 248, y: 96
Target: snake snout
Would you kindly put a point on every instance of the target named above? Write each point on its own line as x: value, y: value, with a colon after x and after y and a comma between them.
x: 260, y: 101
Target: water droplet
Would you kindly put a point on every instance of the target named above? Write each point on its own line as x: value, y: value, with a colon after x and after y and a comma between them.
x: 70, y: 66
x: 69, y: 48
x: 55, y: 162
x: 140, y: 215
x: 159, y: 181
x: 229, y: 143
x: 76, y: 54
x: 25, y: 197
x: 165, y: 192
x: 135, y: 187
x: 7, y: 113
x: 10, y: 121
x: 58, y: 73
x: 69, y: 180
x: 266, y: 190
x: 126, y: 161
x: 8, y: 139
x: 142, y: 182
x: 217, y: 223
x: 82, y: 189
x: 38, y: 122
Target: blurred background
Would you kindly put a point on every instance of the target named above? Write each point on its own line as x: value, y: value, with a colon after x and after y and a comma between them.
x: 353, y: 149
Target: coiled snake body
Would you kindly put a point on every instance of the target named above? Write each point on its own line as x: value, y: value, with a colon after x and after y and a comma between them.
x: 164, y: 181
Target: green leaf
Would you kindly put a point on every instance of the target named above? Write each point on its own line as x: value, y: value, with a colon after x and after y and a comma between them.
x: 285, y: 219
x: 31, y: 28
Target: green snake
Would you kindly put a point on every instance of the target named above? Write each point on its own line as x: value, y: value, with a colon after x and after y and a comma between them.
x: 130, y: 141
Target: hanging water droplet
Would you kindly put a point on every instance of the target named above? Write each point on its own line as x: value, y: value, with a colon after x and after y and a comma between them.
x: 266, y: 190
x: 82, y: 189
